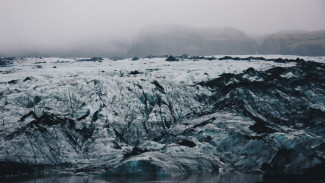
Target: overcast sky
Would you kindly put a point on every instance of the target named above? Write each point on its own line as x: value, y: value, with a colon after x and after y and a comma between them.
x: 67, y: 26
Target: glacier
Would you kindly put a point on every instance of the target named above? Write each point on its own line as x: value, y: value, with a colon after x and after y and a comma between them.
x: 151, y: 117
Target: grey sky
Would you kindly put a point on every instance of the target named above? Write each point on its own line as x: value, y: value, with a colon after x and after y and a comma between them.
x: 67, y: 26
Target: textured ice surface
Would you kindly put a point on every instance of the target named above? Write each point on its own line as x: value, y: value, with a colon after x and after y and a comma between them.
x: 129, y: 117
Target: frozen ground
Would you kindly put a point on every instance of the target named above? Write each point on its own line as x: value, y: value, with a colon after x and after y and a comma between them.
x: 184, y: 72
x: 153, y: 117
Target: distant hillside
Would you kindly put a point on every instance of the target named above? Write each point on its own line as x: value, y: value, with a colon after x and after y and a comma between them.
x: 178, y: 40
x: 297, y: 43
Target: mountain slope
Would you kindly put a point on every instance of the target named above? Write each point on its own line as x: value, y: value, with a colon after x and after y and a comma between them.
x: 178, y: 40
x: 301, y: 43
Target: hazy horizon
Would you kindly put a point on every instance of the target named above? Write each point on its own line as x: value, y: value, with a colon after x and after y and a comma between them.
x: 108, y: 27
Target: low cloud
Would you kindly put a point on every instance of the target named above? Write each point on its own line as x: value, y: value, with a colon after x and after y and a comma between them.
x: 107, y: 27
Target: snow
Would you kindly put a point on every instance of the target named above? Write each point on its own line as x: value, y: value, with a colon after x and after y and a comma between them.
x: 183, y: 72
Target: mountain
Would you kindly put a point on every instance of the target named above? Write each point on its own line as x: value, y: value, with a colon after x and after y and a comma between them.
x: 295, y: 43
x: 179, y: 40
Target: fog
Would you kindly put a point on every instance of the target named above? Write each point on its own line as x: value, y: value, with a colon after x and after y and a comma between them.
x: 108, y: 27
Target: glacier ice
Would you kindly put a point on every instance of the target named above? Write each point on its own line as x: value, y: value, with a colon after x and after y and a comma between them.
x: 170, y: 118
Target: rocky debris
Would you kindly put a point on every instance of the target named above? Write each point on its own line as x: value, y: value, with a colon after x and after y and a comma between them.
x: 171, y: 58
x: 184, y: 56
x: 5, y: 61
x: 158, y: 86
x: 61, y: 61
x: 197, y: 58
x: 96, y: 59
x: 156, y: 56
x: 202, y: 58
x: 211, y: 58
x: 135, y: 58
x: 40, y: 62
x: 279, y: 105
x: 271, y: 99
x: 27, y: 79
x: 186, y: 143
x: 135, y: 72
x: 93, y: 59
x: 135, y: 151
x: 83, y: 116
x: 116, y: 58
x: 15, y: 81
x: 279, y: 60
